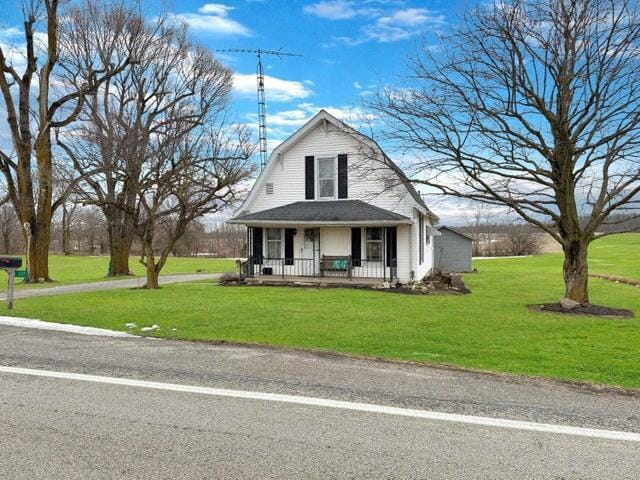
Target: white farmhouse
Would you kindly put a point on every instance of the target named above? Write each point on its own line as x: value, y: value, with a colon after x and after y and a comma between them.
x: 330, y: 203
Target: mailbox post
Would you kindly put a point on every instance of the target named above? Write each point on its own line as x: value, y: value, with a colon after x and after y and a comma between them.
x: 10, y: 265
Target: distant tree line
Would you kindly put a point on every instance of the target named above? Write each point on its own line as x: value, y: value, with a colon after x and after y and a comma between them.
x: 493, y: 238
x: 83, y: 231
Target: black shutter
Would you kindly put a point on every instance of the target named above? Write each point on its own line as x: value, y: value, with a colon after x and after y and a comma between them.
x: 257, y: 245
x: 392, y: 246
x: 288, y: 246
x: 309, y: 180
x: 356, y: 247
x: 342, y: 176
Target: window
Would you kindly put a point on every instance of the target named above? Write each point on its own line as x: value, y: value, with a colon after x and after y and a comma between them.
x: 374, y: 244
x: 274, y: 242
x: 326, y: 178
x: 269, y: 188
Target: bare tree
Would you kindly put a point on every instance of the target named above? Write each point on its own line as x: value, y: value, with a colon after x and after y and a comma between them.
x: 29, y: 169
x: 189, y: 177
x: 191, y: 242
x: 167, y: 93
x: 68, y: 213
x: 479, y: 228
x: 91, y: 228
x: 160, y: 145
x: 520, y: 239
x: 9, y: 225
x: 533, y: 105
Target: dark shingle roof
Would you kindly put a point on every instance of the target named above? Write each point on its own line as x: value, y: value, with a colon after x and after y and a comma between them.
x: 444, y: 227
x: 324, y: 212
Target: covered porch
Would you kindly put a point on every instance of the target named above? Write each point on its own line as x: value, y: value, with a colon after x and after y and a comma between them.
x: 358, y: 242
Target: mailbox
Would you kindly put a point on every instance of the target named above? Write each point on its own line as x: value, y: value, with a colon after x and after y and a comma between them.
x: 10, y: 265
x: 10, y: 262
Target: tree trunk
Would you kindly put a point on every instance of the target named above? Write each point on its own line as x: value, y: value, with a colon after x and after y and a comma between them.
x: 576, y: 271
x: 66, y: 232
x: 39, y: 255
x: 120, y: 249
x: 152, y: 270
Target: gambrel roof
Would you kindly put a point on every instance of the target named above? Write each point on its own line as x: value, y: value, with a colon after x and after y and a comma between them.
x: 324, y: 116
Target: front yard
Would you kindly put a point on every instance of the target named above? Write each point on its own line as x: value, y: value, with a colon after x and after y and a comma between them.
x: 68, y: 270
x: 491, y: 329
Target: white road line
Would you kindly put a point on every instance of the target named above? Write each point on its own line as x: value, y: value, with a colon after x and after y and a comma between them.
x: 60, y: 327
x: 327, y: 403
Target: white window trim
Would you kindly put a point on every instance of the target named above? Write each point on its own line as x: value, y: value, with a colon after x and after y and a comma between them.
x: 335, y: 176
x: 266, y: 242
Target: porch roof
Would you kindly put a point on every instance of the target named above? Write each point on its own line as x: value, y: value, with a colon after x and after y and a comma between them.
x: 329, y: 212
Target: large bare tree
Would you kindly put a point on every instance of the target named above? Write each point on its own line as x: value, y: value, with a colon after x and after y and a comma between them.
x: 155, y: 148
x: 171, y: 90
x: 533, y: 105
x: 34, y: 106
x: 200, y: 173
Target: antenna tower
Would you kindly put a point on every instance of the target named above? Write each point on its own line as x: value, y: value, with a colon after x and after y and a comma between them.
x: 262, y: 106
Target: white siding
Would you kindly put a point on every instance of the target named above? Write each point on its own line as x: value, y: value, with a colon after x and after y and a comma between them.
x: 368, y: 179
x: 335, y: 241
x: 421, y: 269
x: 404, y: 253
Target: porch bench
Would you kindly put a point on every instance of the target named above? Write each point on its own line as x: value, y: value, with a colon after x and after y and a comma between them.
x: 336, y: 263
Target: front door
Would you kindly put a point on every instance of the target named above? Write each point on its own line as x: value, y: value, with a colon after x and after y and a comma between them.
x: 310, y: 252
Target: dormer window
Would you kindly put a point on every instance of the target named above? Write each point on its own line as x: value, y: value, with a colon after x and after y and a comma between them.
x: 326, y: 177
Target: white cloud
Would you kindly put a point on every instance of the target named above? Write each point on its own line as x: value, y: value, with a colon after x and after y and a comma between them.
x: 357, y: 85
x: 402, y: 24
x: 213, y: 18
x: 277, y: 89
x: 283, y: 123
x: 394, y: 25
x: 218, y: 9
x: 338, y: 10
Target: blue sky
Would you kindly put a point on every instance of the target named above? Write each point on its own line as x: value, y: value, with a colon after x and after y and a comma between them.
x: 349, y: 48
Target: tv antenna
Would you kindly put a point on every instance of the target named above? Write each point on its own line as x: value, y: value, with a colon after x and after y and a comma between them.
x: 262, y: 108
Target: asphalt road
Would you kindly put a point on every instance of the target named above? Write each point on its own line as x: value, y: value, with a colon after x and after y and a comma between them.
x: 133, y: 282
x: 71, y: 428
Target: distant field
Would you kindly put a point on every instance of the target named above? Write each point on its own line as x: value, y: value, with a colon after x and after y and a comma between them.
x: 491, y: 329
x: 616, y: 255
x: 65, y: 270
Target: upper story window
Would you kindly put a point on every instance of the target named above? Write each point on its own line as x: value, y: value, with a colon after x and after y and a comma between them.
x: 326, y: 178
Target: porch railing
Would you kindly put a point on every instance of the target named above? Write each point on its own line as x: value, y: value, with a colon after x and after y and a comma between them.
x: 341, y: 267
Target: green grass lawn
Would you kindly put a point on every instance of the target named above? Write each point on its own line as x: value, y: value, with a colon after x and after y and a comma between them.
x: 66, y: 270
x: 616, y: 255
x: 490, y: 329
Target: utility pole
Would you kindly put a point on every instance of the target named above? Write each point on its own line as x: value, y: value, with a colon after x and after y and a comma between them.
x: 262, y: 106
